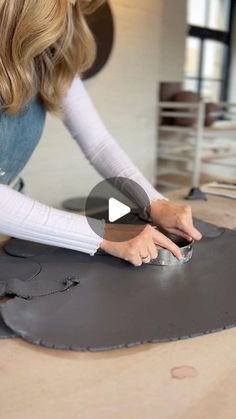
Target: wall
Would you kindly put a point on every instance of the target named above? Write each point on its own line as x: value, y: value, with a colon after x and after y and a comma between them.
x: 125, y: 93
x: 232, y: 78
x: 173, y: 40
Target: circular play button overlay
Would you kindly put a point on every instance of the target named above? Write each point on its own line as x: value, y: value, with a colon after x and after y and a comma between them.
x: 123, y: 200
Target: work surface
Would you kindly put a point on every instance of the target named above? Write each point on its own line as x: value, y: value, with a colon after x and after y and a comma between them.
x: 194, y: 378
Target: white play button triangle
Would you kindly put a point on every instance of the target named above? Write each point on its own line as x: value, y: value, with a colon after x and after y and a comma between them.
x: 107, y: 203
x: 117, y: 210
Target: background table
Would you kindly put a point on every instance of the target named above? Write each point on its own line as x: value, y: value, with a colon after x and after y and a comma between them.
x: 189, y: 379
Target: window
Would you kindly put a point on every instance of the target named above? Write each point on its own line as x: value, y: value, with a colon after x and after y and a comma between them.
x: 207, y: 47
x: 212, y: 14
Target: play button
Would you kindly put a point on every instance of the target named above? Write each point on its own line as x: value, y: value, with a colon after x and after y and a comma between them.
x: 119, y: 201
x: 117, y: 210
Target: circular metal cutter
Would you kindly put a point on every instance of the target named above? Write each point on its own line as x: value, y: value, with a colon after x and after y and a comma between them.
x: 166, y: 258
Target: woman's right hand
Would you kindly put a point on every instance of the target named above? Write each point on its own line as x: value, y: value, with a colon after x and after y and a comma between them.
x: 136, y: 244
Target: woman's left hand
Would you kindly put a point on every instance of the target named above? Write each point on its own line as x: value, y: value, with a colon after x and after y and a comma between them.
x: 175, y: 218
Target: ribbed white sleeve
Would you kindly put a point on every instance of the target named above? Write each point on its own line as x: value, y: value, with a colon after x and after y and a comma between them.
x: 103, y: 152
x: 24, y: 218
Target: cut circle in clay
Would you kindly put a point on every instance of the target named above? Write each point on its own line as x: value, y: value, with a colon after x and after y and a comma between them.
x: 27, y: 279
x: 26, y: 249
x: 79, y: 204
x: 116, y: 305
x: 11, y: 267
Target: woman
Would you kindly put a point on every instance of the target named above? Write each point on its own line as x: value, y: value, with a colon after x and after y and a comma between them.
x: 45, y: 46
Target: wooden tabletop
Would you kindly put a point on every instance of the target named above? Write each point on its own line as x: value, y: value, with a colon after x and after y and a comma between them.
x: 189, y: 379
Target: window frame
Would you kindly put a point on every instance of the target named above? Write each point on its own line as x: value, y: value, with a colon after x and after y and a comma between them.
x: 224, y: 37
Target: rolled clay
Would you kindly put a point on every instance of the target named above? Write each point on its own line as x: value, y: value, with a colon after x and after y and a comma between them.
x: 116, y: 305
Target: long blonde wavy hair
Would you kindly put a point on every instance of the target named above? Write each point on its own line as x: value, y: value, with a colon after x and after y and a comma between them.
x: 44, y: 44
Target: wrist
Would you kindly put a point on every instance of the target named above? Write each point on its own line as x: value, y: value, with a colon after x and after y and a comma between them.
x: 156, y: 205
x: 103, y: 245
x: 110, y: 232
x: 104, y: 242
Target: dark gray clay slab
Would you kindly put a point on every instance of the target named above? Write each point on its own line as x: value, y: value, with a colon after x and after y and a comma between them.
x: 26, y: 279
x: 11, y: 267
x: 117, y: 305
x: 208, y: 230
x: 5, y: 332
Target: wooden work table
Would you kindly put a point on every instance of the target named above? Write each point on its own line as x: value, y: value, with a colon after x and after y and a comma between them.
x: 189, y: 379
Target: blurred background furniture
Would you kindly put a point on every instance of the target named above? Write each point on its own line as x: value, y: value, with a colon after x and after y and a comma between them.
x: 192, y: 135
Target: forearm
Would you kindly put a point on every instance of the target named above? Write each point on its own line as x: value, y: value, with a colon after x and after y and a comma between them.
x: 25, y: 218
x: 122, y: 167
x: 87, y: 128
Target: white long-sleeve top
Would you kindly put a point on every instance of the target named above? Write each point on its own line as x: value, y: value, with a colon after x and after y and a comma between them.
x: 25, y: 218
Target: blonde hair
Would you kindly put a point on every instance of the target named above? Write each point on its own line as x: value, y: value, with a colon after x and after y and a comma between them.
x: 44, y: 44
